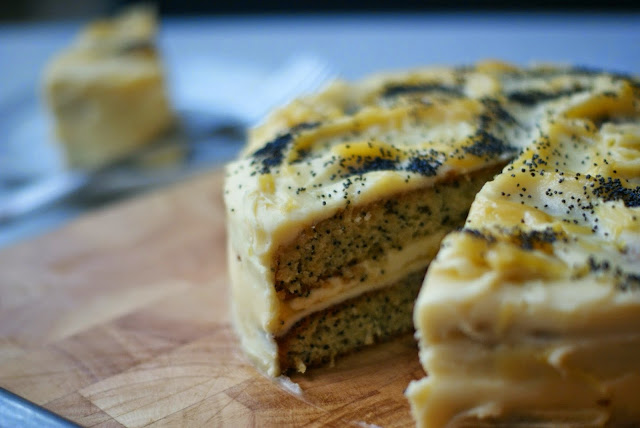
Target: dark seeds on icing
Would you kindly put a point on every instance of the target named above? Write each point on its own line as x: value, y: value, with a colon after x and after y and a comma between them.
x: 533, y: 96
x: 487, y: 144
x: 610, y: 189
x: 625, y: 281
x: 395, y: 90
x: 272, y: 153
x: 630, y: 281
x: 371, y: 164
x: 479, y: 235
x: 424, y: 165
x: 498, y: 111
x: 527, y: 240
x: 534, y: 239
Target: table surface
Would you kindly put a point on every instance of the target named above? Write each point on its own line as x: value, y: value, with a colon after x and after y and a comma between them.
x: 244, y: 47
x: 121, y: 319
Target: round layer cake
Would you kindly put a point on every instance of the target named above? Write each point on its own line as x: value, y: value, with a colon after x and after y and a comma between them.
x: 340, y: 201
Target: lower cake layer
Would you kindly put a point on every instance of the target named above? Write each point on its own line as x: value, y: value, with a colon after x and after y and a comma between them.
x: 370, y: 318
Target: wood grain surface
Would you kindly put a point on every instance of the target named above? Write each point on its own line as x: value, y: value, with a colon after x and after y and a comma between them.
x: 121, y: 319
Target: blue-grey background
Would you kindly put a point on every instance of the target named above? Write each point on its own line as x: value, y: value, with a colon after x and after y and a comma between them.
x: 211, y: 54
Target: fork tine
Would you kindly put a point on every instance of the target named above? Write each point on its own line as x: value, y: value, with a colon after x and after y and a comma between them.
x: 311, y: 82
x: 300, y: 75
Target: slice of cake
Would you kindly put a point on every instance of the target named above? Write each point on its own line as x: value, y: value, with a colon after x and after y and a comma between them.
x: 340, y: 202
x: 107, y: 92
x: 530, y: 315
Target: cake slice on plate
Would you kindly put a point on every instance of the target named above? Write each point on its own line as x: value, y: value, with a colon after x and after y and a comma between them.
x: 107, y: 92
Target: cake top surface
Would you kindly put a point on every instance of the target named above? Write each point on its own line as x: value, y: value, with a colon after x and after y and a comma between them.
x: 119, y: 48
x: 355, y: 143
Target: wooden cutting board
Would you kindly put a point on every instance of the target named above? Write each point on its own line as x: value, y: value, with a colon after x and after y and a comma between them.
x: 121, y: 319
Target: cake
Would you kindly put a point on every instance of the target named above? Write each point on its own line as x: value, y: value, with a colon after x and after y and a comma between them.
x: 106, y: 91
x: 530, y: 314
x: 340, y: 201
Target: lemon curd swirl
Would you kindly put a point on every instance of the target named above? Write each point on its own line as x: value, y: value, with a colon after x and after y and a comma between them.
x: 340, y: 201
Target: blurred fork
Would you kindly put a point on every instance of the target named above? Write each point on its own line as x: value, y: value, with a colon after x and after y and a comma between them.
x: 300, y: 75
x: 237, y: 109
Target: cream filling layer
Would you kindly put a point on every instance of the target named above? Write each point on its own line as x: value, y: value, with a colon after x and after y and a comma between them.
x: 396, y: 265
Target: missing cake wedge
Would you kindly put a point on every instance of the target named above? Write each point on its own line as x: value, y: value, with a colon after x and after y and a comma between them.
x: 530, y: 315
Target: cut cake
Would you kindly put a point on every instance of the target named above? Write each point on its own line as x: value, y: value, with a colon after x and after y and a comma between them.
x: 340, y: 201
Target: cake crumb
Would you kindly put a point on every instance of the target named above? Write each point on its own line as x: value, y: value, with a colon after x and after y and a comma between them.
x: 367, y: 425
x: 288, y: 385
